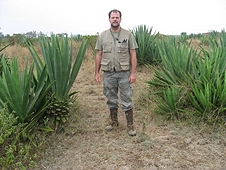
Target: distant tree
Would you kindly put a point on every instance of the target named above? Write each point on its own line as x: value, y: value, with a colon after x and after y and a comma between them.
x: 183, y: 37
x: 191, y: 35
x: 1, y: 35
x: 40, y: 34
x: 183, y: 33
x: 62, y: 34
x: 31, y: 34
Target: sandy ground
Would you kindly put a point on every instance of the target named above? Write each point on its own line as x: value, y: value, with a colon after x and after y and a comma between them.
x: 158, y: 145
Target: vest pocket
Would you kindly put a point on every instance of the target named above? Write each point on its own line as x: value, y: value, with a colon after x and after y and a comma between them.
x: 124, y: 66
x: 122, y: 48
x: 105, y: 64
x: 107, y: 47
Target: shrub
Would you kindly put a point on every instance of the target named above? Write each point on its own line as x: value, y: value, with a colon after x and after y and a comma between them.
x: 14, y: 154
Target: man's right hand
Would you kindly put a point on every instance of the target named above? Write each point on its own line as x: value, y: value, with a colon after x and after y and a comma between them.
x: 97, y: 78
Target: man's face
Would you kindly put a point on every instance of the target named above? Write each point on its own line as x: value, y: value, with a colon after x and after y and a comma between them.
x: 115, y: 19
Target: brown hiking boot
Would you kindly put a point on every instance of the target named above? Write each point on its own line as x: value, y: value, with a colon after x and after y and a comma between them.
x: 129, y: 118
x: 114, y: 120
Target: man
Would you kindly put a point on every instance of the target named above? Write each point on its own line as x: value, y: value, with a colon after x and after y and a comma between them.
x: 116, y: 56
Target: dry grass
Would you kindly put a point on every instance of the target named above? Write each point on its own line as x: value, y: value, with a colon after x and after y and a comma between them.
x: 159, y: 144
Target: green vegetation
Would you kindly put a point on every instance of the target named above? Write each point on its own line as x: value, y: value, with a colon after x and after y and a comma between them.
x: 61, y: 72
x: 15, y: 153
x: 36, y: 96
x: 147, y: 52
x: 189, y: 83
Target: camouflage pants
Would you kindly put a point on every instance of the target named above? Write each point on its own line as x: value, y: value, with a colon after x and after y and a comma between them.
x: 115, y: 82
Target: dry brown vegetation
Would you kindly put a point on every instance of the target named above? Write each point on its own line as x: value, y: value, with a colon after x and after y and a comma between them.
x: 159, y: 144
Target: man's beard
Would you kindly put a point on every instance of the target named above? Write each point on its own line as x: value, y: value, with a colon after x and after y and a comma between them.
x: 115, y: 26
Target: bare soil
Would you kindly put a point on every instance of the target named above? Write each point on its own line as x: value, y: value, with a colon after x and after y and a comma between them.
x: 85, y: 145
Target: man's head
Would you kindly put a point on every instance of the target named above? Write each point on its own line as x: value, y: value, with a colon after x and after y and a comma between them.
x: 115, y: 18
x: 114, y: 11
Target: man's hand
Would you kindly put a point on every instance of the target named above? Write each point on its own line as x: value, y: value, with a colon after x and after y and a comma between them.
x: 97, y: 78
x: 132, y: 78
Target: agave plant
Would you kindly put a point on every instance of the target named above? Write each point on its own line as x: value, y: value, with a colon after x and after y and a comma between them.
x: 147, y: 51
x: 6, y: 45
x: 209, y: 84
x: 61, y: 70
x: 3, y: 56
x: 1, y: 66
x: 199, y: 79
x: 221, y: 42
x: 23, y: 98
x: 176, y: 63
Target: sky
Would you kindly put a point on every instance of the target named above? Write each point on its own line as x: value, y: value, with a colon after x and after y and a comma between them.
x: 89, y: 17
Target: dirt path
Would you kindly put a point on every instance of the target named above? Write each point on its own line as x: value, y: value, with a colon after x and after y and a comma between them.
x: 86, y: 146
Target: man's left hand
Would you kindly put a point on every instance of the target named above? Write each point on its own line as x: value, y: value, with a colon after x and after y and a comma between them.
x: 132, y: 78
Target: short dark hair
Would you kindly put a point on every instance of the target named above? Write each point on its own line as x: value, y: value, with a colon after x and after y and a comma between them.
x: 115, y: 11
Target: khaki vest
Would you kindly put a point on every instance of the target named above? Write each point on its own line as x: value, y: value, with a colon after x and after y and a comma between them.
x: 115, y: 52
